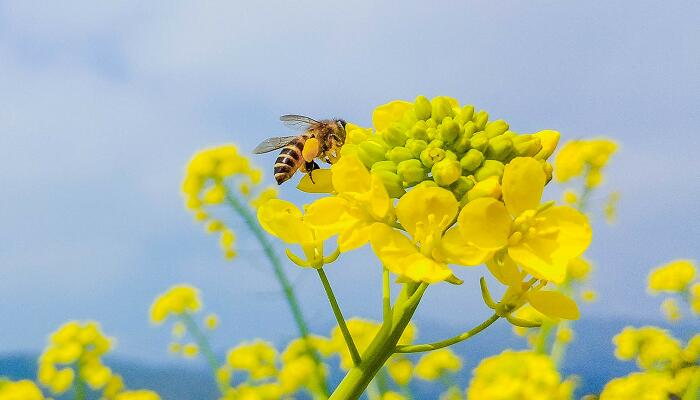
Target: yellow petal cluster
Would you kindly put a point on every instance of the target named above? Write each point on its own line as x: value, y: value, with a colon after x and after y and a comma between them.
x: 653, y: 348
x: 437, y: 364
x: 674, y: 277
x: 584, y: 157
x: 177, y: 300
x: 138, y: 395
x: 20, y: 390
x: 514, y: 375
x: 74, y: 349
x: 257, y: 358
x: 645, y: 385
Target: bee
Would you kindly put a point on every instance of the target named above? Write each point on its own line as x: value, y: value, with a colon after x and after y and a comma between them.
x: 329, y: 135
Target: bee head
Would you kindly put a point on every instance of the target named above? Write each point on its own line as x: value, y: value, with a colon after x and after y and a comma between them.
x: 341, y: 123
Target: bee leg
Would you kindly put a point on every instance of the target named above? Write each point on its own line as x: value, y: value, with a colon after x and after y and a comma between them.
x: 310, y: 167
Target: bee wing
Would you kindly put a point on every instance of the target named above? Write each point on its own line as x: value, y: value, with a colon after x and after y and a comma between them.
x: 272, y: 143
x: 298, y: 122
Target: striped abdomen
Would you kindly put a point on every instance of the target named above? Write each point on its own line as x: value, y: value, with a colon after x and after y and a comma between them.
x: 290, y: 159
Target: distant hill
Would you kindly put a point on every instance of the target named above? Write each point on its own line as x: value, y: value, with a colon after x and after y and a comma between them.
x: 590, y: 357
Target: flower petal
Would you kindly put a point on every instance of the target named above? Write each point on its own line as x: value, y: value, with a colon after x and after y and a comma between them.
x: 485, y: 223
x: 350, y: 175
x: 379, y: 201
x: 505, y: 270
x: 322, y: 182
x: 283, y: 219
x: 355, y: 236
x: 535, y: 255
x: 574, y: 231
x: 455, y: 249
x: 386, y: 114
x: 554, y: 304
x: 433, y: 208
x: 522, y: 185
x: 329, y: 216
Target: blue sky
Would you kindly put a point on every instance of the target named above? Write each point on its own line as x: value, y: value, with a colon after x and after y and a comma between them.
x: 103, y: 104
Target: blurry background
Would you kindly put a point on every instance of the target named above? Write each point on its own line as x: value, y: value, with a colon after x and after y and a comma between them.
x: 104, y: 103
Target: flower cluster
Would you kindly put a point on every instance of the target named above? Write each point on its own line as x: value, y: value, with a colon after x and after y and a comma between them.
x: 677, y: 278
x: 176, y: 301
x: 20, y: 390
x: 204, y: 186
x: 585, y: 158
x: 519, y: 375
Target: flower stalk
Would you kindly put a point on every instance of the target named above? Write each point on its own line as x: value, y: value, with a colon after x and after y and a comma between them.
x: 339, y: 317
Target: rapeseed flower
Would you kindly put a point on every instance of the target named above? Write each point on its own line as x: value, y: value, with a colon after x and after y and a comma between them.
x: 438, y: 364
x: 257, y: 358
x: 674, y: 277
x: 137, y: 395
x: 652, y: 347
x: 584, y: 157
x: 639, y: 385
x: 177, y: 300
x: 20, y: 390
x: 540, y: 238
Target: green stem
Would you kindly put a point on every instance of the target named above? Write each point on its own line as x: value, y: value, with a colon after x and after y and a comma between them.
x: 252, y: 223
x: 541, y: 345
x: 201, y: 340
x: 382, y: 347
x: 559, y: 346
x: 79, y: 387
x: 386, y: 296
x: 339, y: 317
x: 417, y: 348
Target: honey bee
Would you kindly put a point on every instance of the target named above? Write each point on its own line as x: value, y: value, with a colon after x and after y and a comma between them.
x: 295, y: 154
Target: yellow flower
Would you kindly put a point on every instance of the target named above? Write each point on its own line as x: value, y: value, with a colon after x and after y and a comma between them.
x: 190, y: 350
x: 400, y: 369
x: 578, y: 269
x: 671, y: 310
x: 20, y: 390
x: 285, y: 221
x: 138, y: 395
x: 360, y: 203
x: 211, y: 321
x: 515, y: 375
x: 584, y: 156
x: 393, y: 396
x: 542, y: 239
x: 653, y: 348
x: 695, y: 298
x: 425, y: 213
x: 177, y: 300
x: 438, y: 363
x: 257, y: 358
x: 639, y: 385
x: 672, y: 277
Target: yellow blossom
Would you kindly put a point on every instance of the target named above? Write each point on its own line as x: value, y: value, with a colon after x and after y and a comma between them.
x: 589, y: 295
x: 20, y: 390
x: 401, y: 370
x: 671, y: 310
x: 138, y: 395
x: 257, y: 358
x: 695, y: 298
x: 584, y: 156
x: 672, y: 277
x: 177, y: 300
x: 211, y: 321
x: 438, y: 363
x: 542, y: 239
x: 639, y: 385
x: 393, y: 396
x: 653, y: 348
x: 190, y: 350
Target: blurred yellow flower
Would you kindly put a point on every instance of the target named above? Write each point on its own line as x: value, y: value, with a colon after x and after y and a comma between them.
x: 211, y: 321
x: 177, y: 300
x: 138, y: 395
x: 653, y: 348
x: 20, y: 390
x: 584, y: 156
x: 514, y: 375
x: 400, y: 369
x: 671, y: 310
x: 190, y: 350
x: 672, y: 277
x: 257, y: 358
x: 639, y: 385
x: 436, y: 364
x: 542, y: 239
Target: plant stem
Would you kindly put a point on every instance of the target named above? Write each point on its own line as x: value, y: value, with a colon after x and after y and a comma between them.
x: 252, y: 223
x: 382, y: 347
x: 339, y: 317
x: 79, y: 387
x: 201, y: 340
x: 386, y: 296
x: 417, y: 348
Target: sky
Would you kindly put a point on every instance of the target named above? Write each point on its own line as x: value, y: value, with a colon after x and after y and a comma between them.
x: 104, y: 103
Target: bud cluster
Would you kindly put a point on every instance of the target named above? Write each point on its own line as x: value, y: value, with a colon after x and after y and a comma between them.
x: 439, y: 143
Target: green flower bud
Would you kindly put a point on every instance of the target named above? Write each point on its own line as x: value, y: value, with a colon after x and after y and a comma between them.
x: 430, y: 123
x: 398, y: 154
x: 384, y: 166
x: 436, y: 143
x: 416, y: 146
x: 422, y: 108
x: 431, y: 155
x: 528, y: 148
x: 467, y: 113
x: 471, y: 160
x: 427, y: 183
x: 394, y: 136
x: 480, y: 141
x: 499, y: 148
x: 480, y: 119
x: 441, y: 109
x: 495, y: 128
x: 510, y: 135
x: 461, y: 186
x: 488, y: 169
x: 486, y: 188
x: 450, y: 155
x: 462, y: 144
x: 469, y: 129
x: 411, y: 172
x: 418, y: 131
x: 370, y: 152
x: 448, y: 131
x: 521, y: 138
x: 391, y: 182
x: 446, y: 172
x: 431, y: 133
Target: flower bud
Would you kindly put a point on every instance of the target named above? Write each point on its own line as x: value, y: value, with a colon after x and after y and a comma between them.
x: 547, y: 167
x: 448, y: 130
x: 370, y: 152
x: 419, y: 131
x: 394, y: 136
x: 422, y: 108
x: 398, y: 154
x: 488, y: 169
x: 471, y: 160
x: 411, y: 172
x: 391, y: 182
x: 384, y: 166
x: 441, y: 109
x: 461, y: 186
x: 436, y: 143
x: 549, y: 140
x: 480, y: 141
x: 480, y: 119
x: 495, y: 128
x: 450, y: 155
x: 427, y: 183
x: 446, y: 172
x: 528, y: 148
x: 462, y: 144
x: 467, y: 113
x: 499, y: 148
x: 431, y: 155
x: 486, y: 188
x: 416, y: 146
x: 431, y: 133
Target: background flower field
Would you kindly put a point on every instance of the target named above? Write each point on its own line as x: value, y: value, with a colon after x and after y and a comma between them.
x: 105, y: 106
